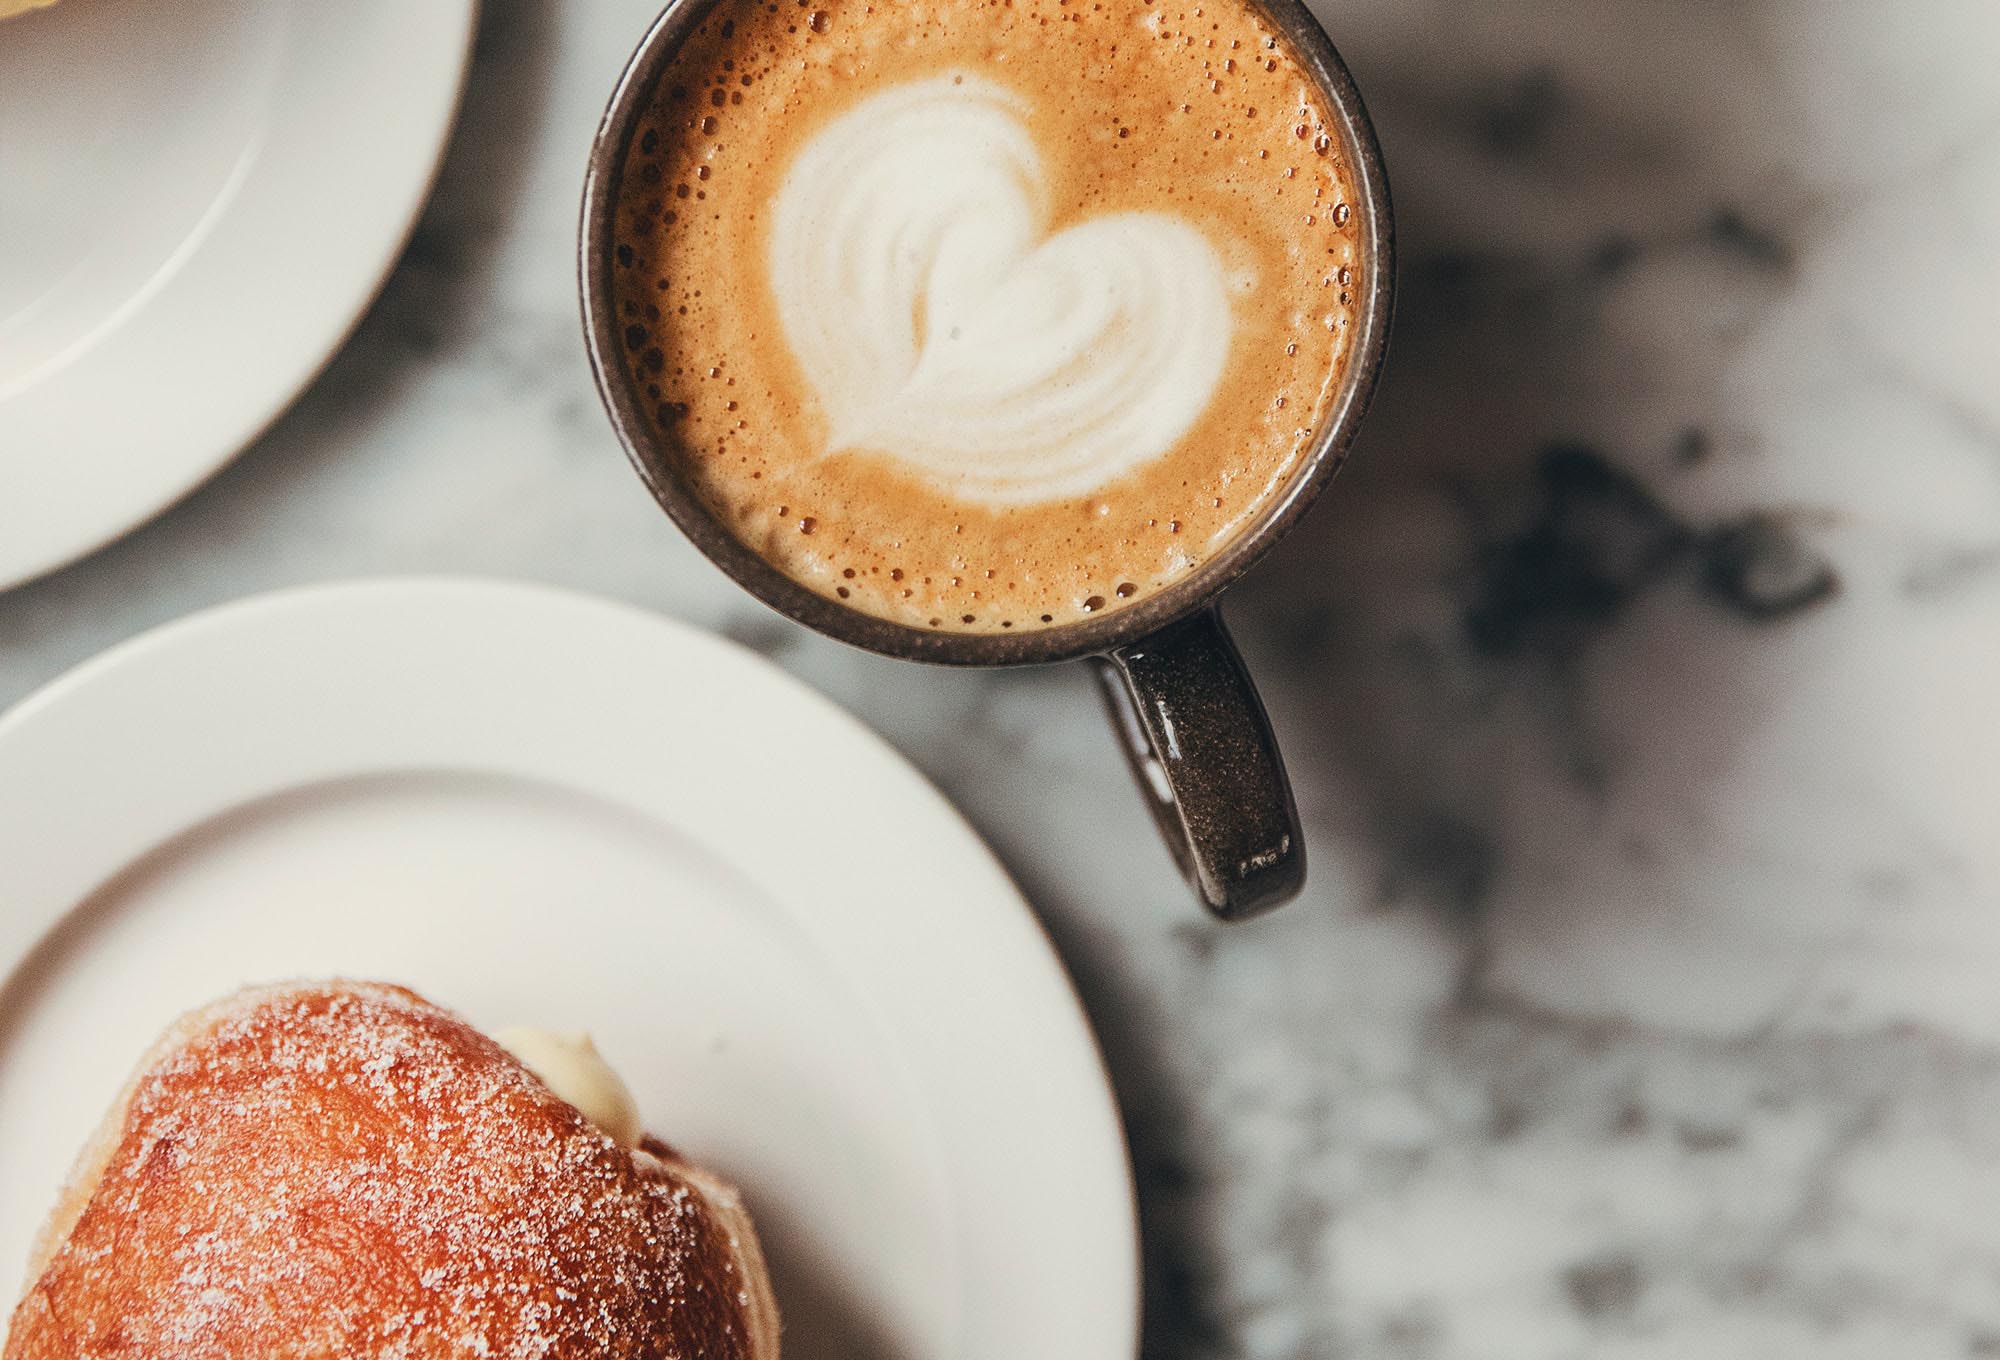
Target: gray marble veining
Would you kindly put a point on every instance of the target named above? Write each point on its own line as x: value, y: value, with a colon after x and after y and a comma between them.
x: 1641, y: 680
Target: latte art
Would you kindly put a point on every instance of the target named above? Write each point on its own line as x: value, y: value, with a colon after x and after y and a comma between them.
x: 941, y: 324
x: 982, y: 316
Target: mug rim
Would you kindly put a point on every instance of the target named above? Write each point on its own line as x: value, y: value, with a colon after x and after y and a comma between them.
x: 1331, y: 443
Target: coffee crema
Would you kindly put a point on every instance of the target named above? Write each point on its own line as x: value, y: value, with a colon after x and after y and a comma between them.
x: 986, y: 314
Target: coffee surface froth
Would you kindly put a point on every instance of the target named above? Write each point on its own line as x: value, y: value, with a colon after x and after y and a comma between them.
x: 986, y: 314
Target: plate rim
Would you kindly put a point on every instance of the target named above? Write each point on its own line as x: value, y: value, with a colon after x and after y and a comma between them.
x: 23, y: 934
x: 241, y: 423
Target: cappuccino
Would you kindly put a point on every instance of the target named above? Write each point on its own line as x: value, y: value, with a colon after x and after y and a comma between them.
x: 984, y: 315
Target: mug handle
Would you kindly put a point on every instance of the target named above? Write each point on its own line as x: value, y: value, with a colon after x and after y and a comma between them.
x: 1201, y: 746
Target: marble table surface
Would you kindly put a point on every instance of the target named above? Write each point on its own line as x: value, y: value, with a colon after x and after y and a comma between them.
x: 1640, y: 679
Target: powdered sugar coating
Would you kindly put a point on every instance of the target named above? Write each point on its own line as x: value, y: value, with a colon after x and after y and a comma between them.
x: 348, y: 1170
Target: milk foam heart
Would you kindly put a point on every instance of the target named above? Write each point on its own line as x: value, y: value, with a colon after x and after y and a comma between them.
x: 942, y: 324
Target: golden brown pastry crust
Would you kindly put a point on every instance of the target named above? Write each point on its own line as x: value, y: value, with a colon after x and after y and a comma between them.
x: 347, y: 1170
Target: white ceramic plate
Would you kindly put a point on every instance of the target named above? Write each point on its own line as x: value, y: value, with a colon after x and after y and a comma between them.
x: 198, y: 199
x: 537, y: 807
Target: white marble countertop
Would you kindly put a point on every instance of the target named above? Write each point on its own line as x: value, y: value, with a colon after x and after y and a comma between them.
x: 1640, y: 678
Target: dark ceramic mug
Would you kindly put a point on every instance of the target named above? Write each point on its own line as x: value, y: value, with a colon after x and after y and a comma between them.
x: 1192, y: 724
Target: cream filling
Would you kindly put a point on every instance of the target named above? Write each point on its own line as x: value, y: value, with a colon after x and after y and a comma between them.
x: 571, y: 1067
